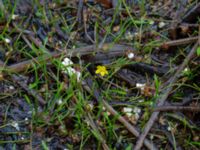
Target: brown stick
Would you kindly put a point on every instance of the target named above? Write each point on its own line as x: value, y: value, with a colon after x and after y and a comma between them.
x: 161, y: 100
x: 19, y: 67
x: 177, y: 108
x: 129, y: 127
x: 181, y: 41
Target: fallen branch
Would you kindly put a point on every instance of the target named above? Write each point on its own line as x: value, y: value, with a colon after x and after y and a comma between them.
x: 177, y: 108
x: 180, y: 42
x: 19, y: 67
x: 165, y: 94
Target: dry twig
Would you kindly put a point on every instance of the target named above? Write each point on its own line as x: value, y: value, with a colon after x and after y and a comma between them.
x: 161, y: 100
x: 177, y: 108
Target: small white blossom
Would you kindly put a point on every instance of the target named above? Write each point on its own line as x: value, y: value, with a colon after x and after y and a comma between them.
x: 67, y: 62
x: 141, y: 101
x: 169, y: 128
x: 14, y: 16
x: 137, y: 110
x: 15, y: 125
x: 22, y: 138
x: 11, y: 87
x: 140, y: 86
x: 60, y: 42
x: 69, y: 70
x: 131, y: 55
x: 128, y: 114
x: 151, y: 22
x: 151, y: 136
x: 90, y: 106
x: 186, y: 69
x: 59, y: 102
x: 129, y: 36
x: 161, y: 24
x: 7, y: 40
x: 26, y: 119
x: 127, y: 109
x: 136, y: 34
x: 132, y: 113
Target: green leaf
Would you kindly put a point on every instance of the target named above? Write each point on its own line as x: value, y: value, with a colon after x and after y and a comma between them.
x: 198, y: 51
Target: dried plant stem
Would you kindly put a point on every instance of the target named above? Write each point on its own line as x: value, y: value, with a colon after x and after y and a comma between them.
x: 164, y: 96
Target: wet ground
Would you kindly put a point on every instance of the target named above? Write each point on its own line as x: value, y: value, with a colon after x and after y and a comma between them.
x: 135, y: 59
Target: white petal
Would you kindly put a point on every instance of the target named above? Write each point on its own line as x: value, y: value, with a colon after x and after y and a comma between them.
x: 7, y: 40
x: 131, y: 55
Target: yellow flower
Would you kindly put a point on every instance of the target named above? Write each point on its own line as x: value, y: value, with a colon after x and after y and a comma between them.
x: 101, y: 70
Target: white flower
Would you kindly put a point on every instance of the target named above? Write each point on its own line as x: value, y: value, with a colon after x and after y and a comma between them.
x: 129, y: 36
x: 131, y: 55
x: 136, y: 34
x: 60, y: 42
x: 103, y: 108
x: 15, y: 125
x: 90, y: 106
x: 59, y: 102
x: 151, y: 22
x: 14, y: 16
x: 7, y: 40
x: 127, y: 109
x: 186, y: 69
x: 67, y: 62
x: 69, y: 70
x: 141, y: 100
x: 128, y: 114
x: 161, y: 24
x: 151, y: 136
x: 137, y: 110
x: 11, y: 87
x: 22, y: 138
x: 169, y: 128
x: 140, y: 86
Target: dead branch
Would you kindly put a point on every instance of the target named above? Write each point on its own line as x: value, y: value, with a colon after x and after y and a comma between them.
x: 177, y: 108
x: 165, y: 94
x: 19, y: 67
